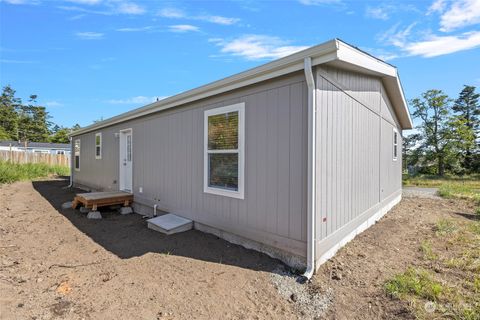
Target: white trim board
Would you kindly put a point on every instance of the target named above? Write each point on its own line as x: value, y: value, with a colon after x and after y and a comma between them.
x: 240, y: 193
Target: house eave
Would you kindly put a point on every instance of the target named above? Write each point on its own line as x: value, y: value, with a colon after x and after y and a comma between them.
x: 333, y: 50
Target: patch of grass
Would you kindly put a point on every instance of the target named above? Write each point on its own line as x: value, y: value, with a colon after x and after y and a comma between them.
x: 416, y: 282
x: 467, y: 191
x: 426, y: 249
x: 476, y: 284
x: 11, y: 172
x: 449, y: 288
x: 444, y: 227
x: 468, y: 262
x: 462, y: 187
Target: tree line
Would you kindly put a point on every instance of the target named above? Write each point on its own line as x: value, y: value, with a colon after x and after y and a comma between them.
x: 28, y: 122
x: 447, y: 136
x: 445, y: 140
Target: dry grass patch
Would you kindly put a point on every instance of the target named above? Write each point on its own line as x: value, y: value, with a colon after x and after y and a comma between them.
x: 447, y: 285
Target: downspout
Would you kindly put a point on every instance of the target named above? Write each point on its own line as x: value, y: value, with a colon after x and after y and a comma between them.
x: 311, y: 173
x: 71, y: 164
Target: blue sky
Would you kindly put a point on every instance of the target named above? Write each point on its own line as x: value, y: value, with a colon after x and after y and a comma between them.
x: 92, y: 59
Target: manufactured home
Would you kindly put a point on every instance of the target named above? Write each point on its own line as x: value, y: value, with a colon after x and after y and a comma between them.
x: 292, y: 158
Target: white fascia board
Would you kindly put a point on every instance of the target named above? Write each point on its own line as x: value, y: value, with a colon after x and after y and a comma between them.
x: 320, y: 54
x: 362, y: 60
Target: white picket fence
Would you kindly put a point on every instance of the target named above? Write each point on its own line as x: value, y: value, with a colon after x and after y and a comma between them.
x: 30, y: 157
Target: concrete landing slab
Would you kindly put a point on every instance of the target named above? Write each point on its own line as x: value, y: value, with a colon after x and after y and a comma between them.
x: 169, y: 224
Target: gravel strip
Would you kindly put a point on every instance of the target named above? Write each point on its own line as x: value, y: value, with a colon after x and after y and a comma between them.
x: 310, y: 304
x: 417, y: 192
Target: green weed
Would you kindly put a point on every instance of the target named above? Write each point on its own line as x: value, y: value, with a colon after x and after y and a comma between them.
x: 426, y: 249
x: 416, y: 282
x: 444, y: 227
x: 11, y: 172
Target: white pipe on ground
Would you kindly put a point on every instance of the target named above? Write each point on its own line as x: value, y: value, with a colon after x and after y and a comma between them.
x: 155, y: 210
x: 311, y: 168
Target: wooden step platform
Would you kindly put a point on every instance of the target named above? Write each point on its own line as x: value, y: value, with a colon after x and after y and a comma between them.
x: 93, y: 200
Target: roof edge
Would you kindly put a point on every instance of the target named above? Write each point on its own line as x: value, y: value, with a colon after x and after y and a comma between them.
x: 328, y: 51
x: 285, y: 65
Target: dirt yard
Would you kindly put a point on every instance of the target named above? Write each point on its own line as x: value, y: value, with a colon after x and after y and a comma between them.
x: 56, y: 264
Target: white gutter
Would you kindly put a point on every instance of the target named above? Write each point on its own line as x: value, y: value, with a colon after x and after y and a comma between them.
x: 71, y: 164
x: 311, y: 168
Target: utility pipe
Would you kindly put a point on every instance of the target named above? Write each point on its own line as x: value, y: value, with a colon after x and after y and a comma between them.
x: 72, y: 156
x: 311, y: 168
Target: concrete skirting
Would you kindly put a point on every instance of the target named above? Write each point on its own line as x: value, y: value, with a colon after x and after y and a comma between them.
x: 362, y: 227
x: 286, y: 257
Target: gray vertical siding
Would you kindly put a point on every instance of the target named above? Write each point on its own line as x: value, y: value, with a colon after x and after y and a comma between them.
x: 355, y: 167
x: 355, y: 170
x: 168, y: 163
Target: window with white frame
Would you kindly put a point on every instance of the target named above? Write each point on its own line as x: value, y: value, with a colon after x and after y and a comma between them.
x: 76, y: 158
x: 395, y: 144
x: 224, y: 154
x: 98, y: 145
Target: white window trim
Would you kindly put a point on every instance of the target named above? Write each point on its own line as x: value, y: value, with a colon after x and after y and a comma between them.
x: 239, y: 194
x: 394, y: 145
x: 75, y: 153
x: 99, y: 134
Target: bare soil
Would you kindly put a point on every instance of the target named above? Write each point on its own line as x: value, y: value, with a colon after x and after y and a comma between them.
x: 57, y: 264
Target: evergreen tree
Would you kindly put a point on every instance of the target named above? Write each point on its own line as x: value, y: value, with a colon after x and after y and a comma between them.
x: 467, y: 125
x: 33, y: 122
x: 9, y: 106
x: 60, y: 135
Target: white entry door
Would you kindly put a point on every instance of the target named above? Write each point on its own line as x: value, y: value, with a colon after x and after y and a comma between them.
x: 126, y: 154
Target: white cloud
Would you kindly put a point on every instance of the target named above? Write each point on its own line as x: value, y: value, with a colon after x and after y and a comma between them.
x: 16, y: 61
x: 138, y: 29
x: 135, y: 100
x: 441, y: 45
x: 53, y: 104
x: 87, y: 2
x: 34, y: 2
x: 430, y: 45
x: 254, y: 47
x: 183, y: 28
x: 90, y: 35
x: 318, y: 2
x: 174, y: 13
x: 107, y: 7
x: 437, y: 6
x: 171, y: 13
x: 218, y: 20
x: 130, y: 8
x: 460, y: 14
x: 76, y: 17
x: 381, y: 54
x: 395, y: 36
x: 380, y: 13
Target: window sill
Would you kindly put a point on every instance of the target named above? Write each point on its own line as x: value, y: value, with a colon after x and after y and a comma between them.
x: 225, y: 193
